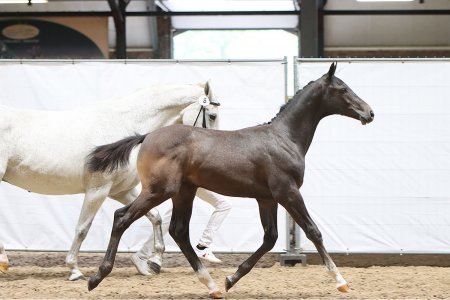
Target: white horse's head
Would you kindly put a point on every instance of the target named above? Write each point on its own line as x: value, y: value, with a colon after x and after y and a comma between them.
x: 200, y: 115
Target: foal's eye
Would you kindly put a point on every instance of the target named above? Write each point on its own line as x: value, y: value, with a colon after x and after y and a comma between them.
x: 343, y: 90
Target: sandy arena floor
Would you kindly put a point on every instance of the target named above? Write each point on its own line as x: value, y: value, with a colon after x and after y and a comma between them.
x: 264, y: 282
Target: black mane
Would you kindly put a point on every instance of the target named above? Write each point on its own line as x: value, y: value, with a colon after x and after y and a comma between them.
x: 289, y: 102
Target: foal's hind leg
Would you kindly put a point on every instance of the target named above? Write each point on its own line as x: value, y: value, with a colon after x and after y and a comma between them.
x: 268, y: 216
x: 93, y: 199
x: 151, y: 263
x: 179, y: 230
x: 123, y: 218
x: 296, y: 207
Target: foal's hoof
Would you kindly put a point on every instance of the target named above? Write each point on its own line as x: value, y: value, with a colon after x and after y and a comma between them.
x: 343, y: 288
x: 4, y: 267
x: 215, y: 295
x: 228, y: 283
x: 93, y: 282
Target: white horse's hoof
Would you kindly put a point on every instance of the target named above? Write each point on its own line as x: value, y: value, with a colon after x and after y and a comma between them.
x: 4, y: 266
x: 343, y: 288
x: 4, y: 262
x: 76, y: 275
x: 216, y: 295
x: 154, y: 268
x: 144, y: 267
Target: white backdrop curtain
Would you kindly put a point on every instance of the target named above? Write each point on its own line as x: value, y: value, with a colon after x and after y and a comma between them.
x: 383, y: 187
x: 250, y: 92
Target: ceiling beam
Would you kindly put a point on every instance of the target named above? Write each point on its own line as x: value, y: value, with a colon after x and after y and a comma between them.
x: 146, y: 13
x: 311, y: 28
x: 220, y: 13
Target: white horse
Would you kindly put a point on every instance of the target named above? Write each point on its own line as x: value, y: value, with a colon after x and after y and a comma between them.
x: 44, y: 152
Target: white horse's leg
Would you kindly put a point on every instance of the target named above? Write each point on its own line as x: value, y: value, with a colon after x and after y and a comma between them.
x: 93, y: 199
x: 148, y: 248
x: 4, y: 263
x: 148, y: 259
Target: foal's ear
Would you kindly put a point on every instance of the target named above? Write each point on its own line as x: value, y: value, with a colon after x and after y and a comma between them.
x: 332, y: 70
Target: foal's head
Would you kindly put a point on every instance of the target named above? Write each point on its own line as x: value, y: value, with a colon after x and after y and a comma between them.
x: 193, y: 114
x: 340, y: 99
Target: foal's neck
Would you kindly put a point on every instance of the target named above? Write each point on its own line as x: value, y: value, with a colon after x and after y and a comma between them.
x: 301, y: 119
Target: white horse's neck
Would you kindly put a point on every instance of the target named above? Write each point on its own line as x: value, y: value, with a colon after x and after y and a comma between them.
x: 153, y: 107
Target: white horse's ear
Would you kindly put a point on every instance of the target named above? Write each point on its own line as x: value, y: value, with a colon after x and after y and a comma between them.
x: 208, y: 91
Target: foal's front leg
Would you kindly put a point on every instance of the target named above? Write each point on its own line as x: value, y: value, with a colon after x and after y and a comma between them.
x: 179, y: 230
x: 296, y: 207
x: 268, y: 216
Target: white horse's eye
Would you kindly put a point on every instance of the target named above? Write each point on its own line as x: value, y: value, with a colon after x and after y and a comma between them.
x: 212, y: 117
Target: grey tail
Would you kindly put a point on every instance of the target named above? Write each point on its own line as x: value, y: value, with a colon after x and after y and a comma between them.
x: 108, y: 158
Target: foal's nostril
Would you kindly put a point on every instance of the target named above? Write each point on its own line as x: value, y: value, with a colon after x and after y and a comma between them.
x: 372, y: 114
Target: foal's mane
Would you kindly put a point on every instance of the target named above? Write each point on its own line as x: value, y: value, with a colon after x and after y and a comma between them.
x: 289, y: 103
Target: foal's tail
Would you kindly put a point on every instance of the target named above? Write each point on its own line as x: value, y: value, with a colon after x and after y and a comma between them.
x: 108, y: 158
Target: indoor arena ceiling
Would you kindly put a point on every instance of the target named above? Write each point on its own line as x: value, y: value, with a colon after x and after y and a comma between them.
x: 369, y: 22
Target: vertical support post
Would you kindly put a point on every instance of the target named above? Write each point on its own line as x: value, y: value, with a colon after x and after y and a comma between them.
x: 153, y: 28
x: 311, y: 28
x: 118, y: 10
x: 164, y: 26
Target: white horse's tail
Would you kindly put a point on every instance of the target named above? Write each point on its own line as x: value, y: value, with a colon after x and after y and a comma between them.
x: 108, y: 158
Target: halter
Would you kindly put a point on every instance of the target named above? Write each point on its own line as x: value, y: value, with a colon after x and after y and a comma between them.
x: 204, y: 102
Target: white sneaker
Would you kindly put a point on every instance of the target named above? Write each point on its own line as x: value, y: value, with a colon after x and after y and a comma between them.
x: 207, y: 254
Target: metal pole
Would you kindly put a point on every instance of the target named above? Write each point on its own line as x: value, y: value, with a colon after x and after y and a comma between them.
x: 292, y: 255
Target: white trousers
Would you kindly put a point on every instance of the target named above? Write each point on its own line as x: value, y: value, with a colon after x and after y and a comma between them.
x: 221, y: 209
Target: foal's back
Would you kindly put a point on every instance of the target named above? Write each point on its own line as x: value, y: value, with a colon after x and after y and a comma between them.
x: 235, y: 163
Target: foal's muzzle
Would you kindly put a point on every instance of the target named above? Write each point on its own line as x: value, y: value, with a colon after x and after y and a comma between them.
x: 365, y: 119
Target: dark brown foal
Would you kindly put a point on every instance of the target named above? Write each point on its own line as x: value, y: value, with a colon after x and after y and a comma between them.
x: 264, y: 162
